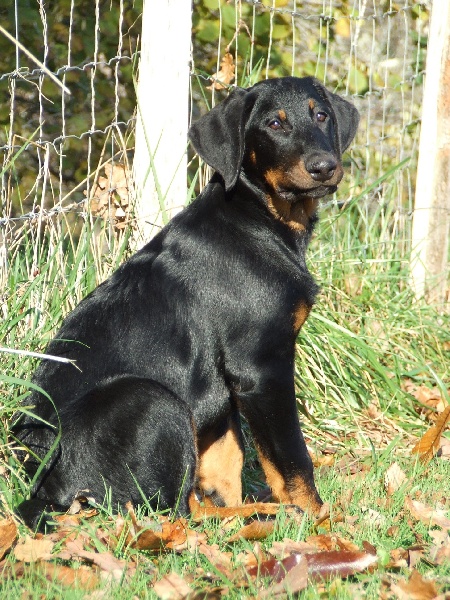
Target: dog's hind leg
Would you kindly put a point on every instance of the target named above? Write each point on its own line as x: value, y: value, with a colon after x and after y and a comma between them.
x: 130, y: 436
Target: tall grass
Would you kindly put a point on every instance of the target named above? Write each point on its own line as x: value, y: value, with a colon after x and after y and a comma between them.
x: 365, y: 335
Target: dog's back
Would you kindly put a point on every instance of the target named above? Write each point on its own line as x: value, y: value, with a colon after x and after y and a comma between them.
x: 211, y: 307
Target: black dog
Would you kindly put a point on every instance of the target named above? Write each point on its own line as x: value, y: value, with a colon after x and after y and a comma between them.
x: 200, y: 325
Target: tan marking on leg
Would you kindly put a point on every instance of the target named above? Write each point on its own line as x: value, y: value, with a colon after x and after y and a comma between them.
x: 296, y: 491
x: 300, y: 315
x: 220, y: 468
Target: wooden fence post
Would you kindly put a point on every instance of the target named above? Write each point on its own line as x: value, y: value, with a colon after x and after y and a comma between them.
x: 160, y: 159
x: 431, y: 222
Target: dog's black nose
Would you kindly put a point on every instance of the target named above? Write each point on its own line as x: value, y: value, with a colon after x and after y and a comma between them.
x: 321, y: 167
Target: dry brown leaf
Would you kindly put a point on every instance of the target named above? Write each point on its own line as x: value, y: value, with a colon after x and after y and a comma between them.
x: 426, y: 514
x: 172, y: 587
x: 398, y: 559
x: 106, y: 561
x: 169, y: 535
x: 8, y: 534
x: 440, y: 550
x: 275, y: 569
x: 373, y: 517
x: 225, y: 75
x: 283, y: 549
x: 394, y: 478
x: 31, y: 550
x: 294, y: 582
x: 331, y: 542
x: 339, y: 563
x: 83, y: 577
x: 444, y: 450
x: 416, y: 588
x: 430, y: 398
x: 429, y: 444
x: 256, y: 530
x: 110, y: 197
x: 221, y: 560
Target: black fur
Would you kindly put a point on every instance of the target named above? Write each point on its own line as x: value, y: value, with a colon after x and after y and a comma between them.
x: 200, y: 325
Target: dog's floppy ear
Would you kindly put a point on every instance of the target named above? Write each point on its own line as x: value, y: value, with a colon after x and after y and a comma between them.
x: 346, y: 119
x: 218, y: 137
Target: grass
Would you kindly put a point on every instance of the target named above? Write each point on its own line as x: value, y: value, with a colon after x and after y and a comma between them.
x: 366, y: 336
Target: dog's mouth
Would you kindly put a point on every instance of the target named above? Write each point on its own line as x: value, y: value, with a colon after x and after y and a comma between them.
x: 295, y: 194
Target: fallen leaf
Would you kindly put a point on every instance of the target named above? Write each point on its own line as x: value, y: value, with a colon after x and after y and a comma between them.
x: 166, y: 535
x: 440, y: 550
x: 323, y: 519
x: 444, y: 450
x: 430, y: 398
x: 256, y: 530
x: 373, y: 517
x: 331, y: 542
x: 106, y: 561
x: 275, y: 569
x: 398, y: 559
x: 172, y: 587
x: 426, y: 514
x: 429, y: 443
x: 282, y: 549
x: 339, y: 563
x: 294, y: 582
x: 8, y: 534
x: 394, y: 478
x: 416, y: 588
x: 31, y: 550
x: 225, y: 75
x: 221, y: 560
x: 83, y: 577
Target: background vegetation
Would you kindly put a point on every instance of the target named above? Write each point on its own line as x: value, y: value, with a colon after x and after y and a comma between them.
x: 373, y: 363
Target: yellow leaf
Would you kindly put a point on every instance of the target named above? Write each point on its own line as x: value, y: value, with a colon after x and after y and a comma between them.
x: 428, y: 445
x: 342, y: 27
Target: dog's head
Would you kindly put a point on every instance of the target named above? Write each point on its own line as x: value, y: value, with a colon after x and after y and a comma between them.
x: 288, y: 134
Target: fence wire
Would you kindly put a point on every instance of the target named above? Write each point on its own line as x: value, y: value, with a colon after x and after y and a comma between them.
x: 55, y: 146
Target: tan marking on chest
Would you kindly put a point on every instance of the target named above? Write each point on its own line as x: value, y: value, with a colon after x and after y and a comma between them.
x: 296, y: 215
x: 300, y: 315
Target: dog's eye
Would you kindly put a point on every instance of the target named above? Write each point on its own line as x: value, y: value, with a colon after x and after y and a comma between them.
x: 321, y: 117
x: 275, y: 124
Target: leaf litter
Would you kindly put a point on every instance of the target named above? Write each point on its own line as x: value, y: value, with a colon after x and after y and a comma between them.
x: 85, y: 551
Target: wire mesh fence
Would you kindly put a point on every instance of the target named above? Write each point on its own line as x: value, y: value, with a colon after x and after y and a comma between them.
x: 67, y: 158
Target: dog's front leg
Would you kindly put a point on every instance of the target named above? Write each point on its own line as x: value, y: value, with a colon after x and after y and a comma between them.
x: 272, y: 416
x: 220, y: 461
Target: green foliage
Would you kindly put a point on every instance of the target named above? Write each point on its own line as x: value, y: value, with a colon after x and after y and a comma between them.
x: 92, y: 90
